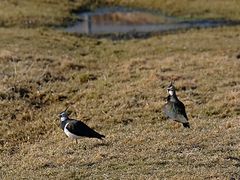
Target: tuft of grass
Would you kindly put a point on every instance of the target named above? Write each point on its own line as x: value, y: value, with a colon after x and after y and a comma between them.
x: 87, y: 77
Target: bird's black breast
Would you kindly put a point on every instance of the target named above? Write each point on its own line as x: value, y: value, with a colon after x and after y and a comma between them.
x: 63, y: 124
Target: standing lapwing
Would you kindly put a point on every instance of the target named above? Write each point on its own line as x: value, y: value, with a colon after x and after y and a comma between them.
x: 174, y: 108
x: 76, y: 129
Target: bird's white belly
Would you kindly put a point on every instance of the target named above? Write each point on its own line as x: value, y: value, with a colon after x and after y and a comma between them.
x: 69, y: 134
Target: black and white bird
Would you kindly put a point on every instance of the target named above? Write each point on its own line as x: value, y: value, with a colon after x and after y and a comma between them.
x: 75, y: 129
x: 174, y: 108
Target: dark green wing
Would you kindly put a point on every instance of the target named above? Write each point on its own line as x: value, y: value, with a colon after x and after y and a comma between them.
x: 175, y: 111
x: 180, y: 108
x: 81, y: 129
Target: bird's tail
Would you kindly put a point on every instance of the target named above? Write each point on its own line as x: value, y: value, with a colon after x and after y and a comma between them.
x: 186, y: 125
x: 100, y: 136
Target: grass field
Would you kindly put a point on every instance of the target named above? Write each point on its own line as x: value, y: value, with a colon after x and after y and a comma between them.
x: 118, y: 88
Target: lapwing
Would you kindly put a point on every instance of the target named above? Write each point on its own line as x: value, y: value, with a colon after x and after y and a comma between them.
x: 75, y: 129
x: 174, y: 108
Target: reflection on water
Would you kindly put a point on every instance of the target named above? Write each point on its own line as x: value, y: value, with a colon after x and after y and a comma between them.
x: 125, y: 20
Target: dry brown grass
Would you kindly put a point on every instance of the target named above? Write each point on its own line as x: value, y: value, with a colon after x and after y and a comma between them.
x: 28, y: 13
x: 191, y: 8
x: 118, y: 88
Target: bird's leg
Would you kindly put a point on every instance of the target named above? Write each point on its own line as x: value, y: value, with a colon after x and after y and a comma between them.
x: 76, y: 141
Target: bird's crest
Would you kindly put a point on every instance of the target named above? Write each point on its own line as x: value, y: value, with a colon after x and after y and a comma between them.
x: 65, y: 111
x: 171, y: 85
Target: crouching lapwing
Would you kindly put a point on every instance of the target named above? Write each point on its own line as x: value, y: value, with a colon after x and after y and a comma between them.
x: 75, y: 129
x: 174, y: 108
